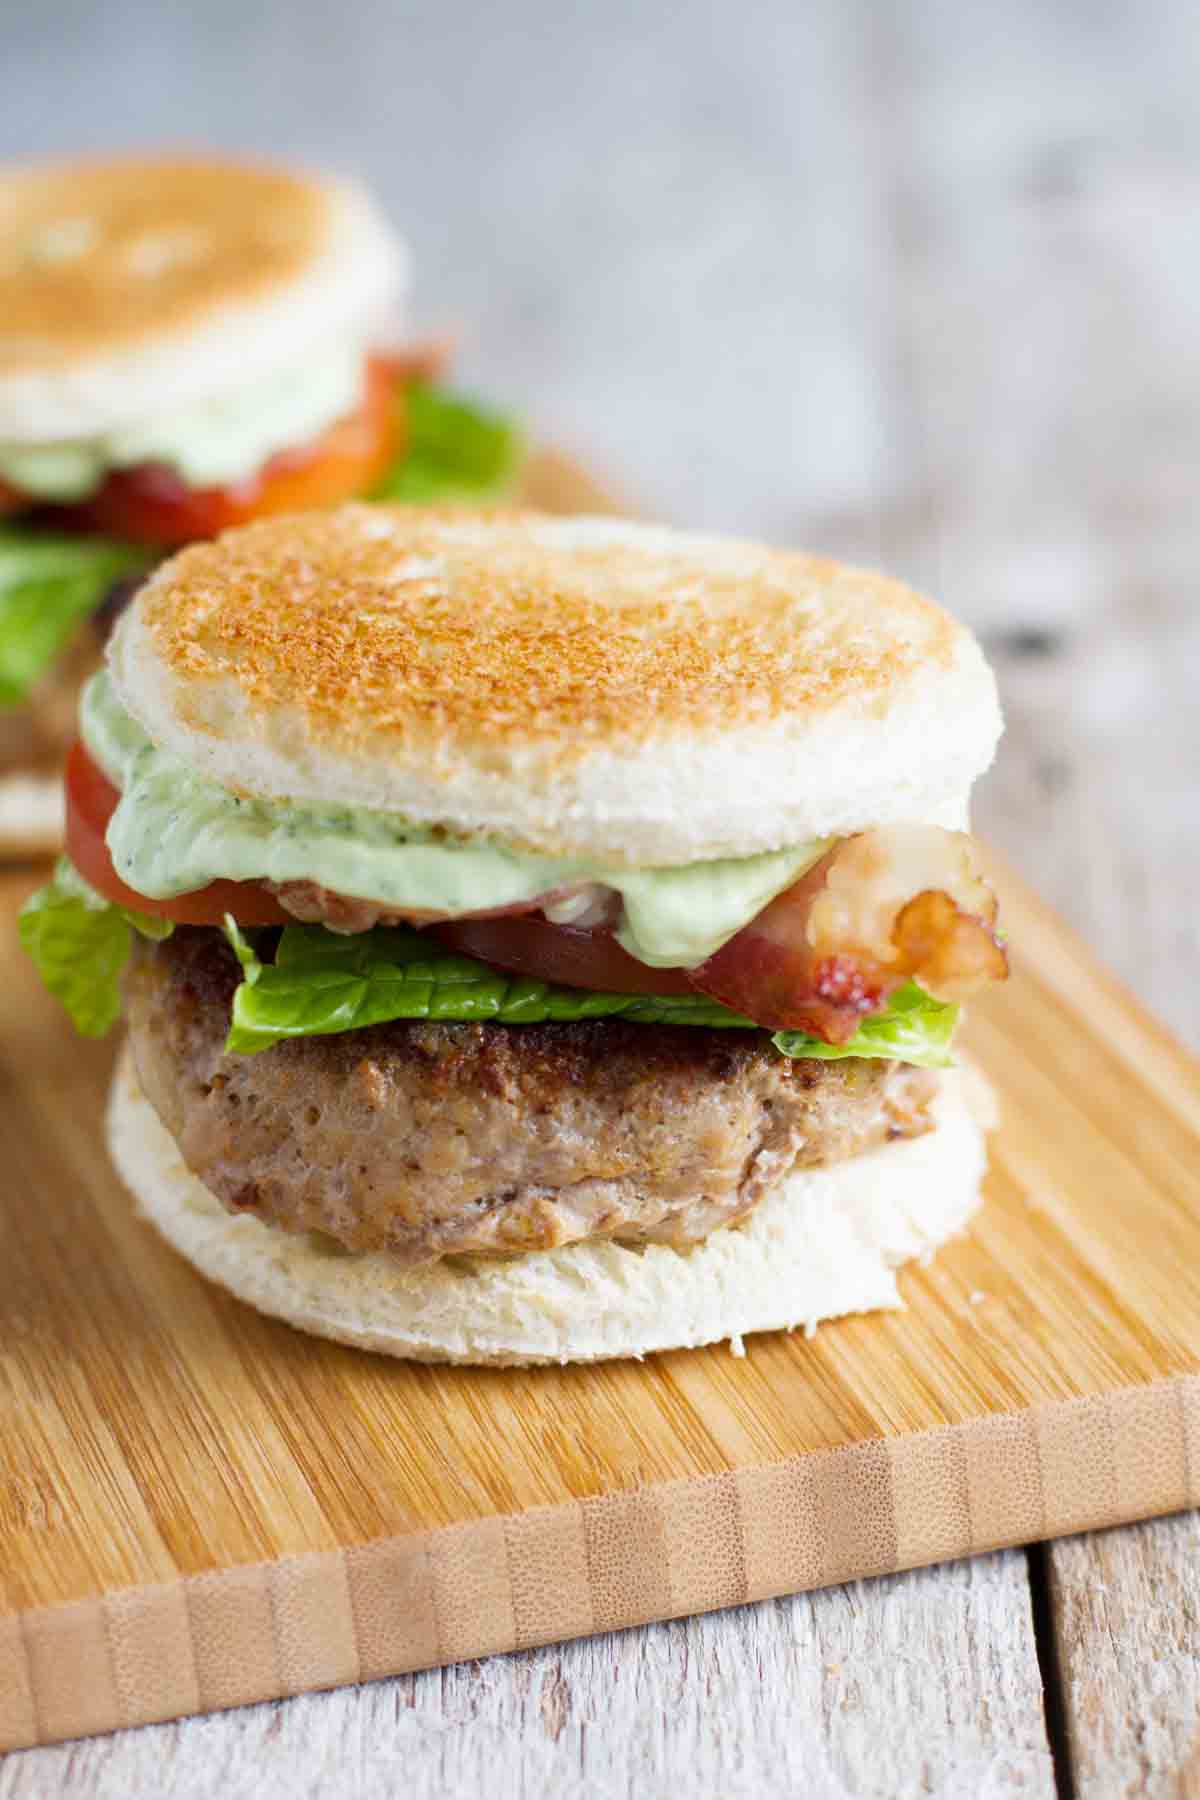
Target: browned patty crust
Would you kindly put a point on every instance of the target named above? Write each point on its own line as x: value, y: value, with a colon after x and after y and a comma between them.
x: 428, y: 1139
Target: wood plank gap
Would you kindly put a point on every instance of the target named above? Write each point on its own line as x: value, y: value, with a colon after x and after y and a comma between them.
x: 1054, y: 1697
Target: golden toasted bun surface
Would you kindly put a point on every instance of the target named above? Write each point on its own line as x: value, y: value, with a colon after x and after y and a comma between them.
x: 389, y: 624
x: 129, y: 285
x: 94, y: 254
x: 441, y: 665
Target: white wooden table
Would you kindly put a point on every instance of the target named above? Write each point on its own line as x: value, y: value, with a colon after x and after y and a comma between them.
x: 913, y: 283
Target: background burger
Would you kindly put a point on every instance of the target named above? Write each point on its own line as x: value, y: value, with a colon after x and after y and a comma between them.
x: 561, y: 920
x: 186, y: 345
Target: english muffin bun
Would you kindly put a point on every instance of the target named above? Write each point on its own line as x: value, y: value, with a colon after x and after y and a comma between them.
x: 580, y: 686
x: 130, y: 286
x: 31, y: 816
x: 826, y: 1242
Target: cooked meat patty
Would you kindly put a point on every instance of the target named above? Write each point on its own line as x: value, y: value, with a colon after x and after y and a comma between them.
x: 428, y: 1139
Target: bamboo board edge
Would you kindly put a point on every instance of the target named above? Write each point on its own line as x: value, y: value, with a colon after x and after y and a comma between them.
x: 204, y: 1643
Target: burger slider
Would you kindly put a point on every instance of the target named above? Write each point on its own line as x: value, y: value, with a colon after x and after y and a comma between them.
x: 542, y: 938
x: 185, y: 345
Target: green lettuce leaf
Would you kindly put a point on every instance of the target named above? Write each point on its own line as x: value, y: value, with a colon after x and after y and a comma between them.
x: 48, y: 583
x: 455, y: 450
x: 320, y: 983
x: 912, y: 1028
x: 81, y: 943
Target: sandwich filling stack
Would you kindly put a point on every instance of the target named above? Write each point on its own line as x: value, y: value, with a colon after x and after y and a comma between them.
x: 540, y: 938
x: 185, y: 346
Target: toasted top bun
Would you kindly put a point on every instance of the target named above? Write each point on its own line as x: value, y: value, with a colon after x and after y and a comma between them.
x: 129, y: 286
x: 579, y: 686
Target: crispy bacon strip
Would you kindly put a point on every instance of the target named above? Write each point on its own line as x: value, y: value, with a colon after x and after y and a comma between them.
x: 880, y: 907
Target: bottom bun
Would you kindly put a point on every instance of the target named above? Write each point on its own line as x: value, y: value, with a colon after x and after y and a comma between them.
x: 31, y: 816
x: 826, y: 1242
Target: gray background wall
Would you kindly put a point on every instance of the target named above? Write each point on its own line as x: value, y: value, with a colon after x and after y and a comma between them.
x: 900, y: 280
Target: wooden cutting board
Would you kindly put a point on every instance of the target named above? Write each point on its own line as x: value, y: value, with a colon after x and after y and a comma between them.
x: 200, y: 1507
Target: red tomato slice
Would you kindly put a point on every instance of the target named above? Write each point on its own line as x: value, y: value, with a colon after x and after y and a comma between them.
x: 151, y: 505
x: 12, y: 500
x: 565, y: 954
x: 91, y: 801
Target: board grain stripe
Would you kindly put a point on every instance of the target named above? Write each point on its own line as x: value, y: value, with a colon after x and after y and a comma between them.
x: 71, y: 1672
x: 627, y: 1559
x: 931, y: 1499
x: 1078, y: 1467
x: 1149, y: 1447
x: 855, y: 1511
x: 150, y: 1641
x: 315, y: 1643
x: 706, y: 1557
x: 473, y: 1599
x: 546, y: 1555
x: 1188, y: 1391
x: 394, y: 1606
x: 781, y: 1544
x: 18, y: 1712
x: 1004, y: 1481
x: 233, y: 1637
